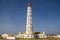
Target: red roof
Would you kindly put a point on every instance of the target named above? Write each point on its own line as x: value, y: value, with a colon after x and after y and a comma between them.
x: 29, y: 4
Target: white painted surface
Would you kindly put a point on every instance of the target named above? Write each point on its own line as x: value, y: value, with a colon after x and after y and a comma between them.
x: 10, y: 38
x: 58, y: 36
x: 4, y: 35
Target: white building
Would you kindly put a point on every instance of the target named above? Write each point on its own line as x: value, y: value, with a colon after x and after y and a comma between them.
x: 40, y: 35
x: 11, y: 38
x: 4, y: 36
x: 58, y: 36
x: 36, y: 35
x: 8, y: 36
x: 20, y: 35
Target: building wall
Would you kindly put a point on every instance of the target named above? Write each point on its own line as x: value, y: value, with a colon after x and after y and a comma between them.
x: 20, y: 35
x: 38, y: 35
x: 10, y: 38
x: 58, y: 36
x: 42, y: 36
x: 4, y: 35
x: 30, y: 36
x: 7, y: 36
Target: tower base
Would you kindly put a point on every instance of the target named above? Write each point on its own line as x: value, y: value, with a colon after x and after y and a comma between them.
x: 29, y: 36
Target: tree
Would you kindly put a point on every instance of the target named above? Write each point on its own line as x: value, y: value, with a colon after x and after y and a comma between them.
x: 1, y: 37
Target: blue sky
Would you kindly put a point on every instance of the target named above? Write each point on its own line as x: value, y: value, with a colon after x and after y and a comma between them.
x: 45, y: 13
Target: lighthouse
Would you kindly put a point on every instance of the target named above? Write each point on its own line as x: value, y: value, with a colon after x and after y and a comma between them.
x: 29, y: 28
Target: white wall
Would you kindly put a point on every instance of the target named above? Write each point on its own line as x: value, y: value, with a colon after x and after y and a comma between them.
x: 10, y: 38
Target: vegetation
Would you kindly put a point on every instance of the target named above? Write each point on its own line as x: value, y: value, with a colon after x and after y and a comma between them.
x: 1, y: 37
x: 41, y: 39
x: 36, y: 39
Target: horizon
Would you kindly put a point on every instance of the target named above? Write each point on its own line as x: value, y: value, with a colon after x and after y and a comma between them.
x: 45, y: 14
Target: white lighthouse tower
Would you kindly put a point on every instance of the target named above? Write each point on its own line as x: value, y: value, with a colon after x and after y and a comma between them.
x: 29, y: 29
